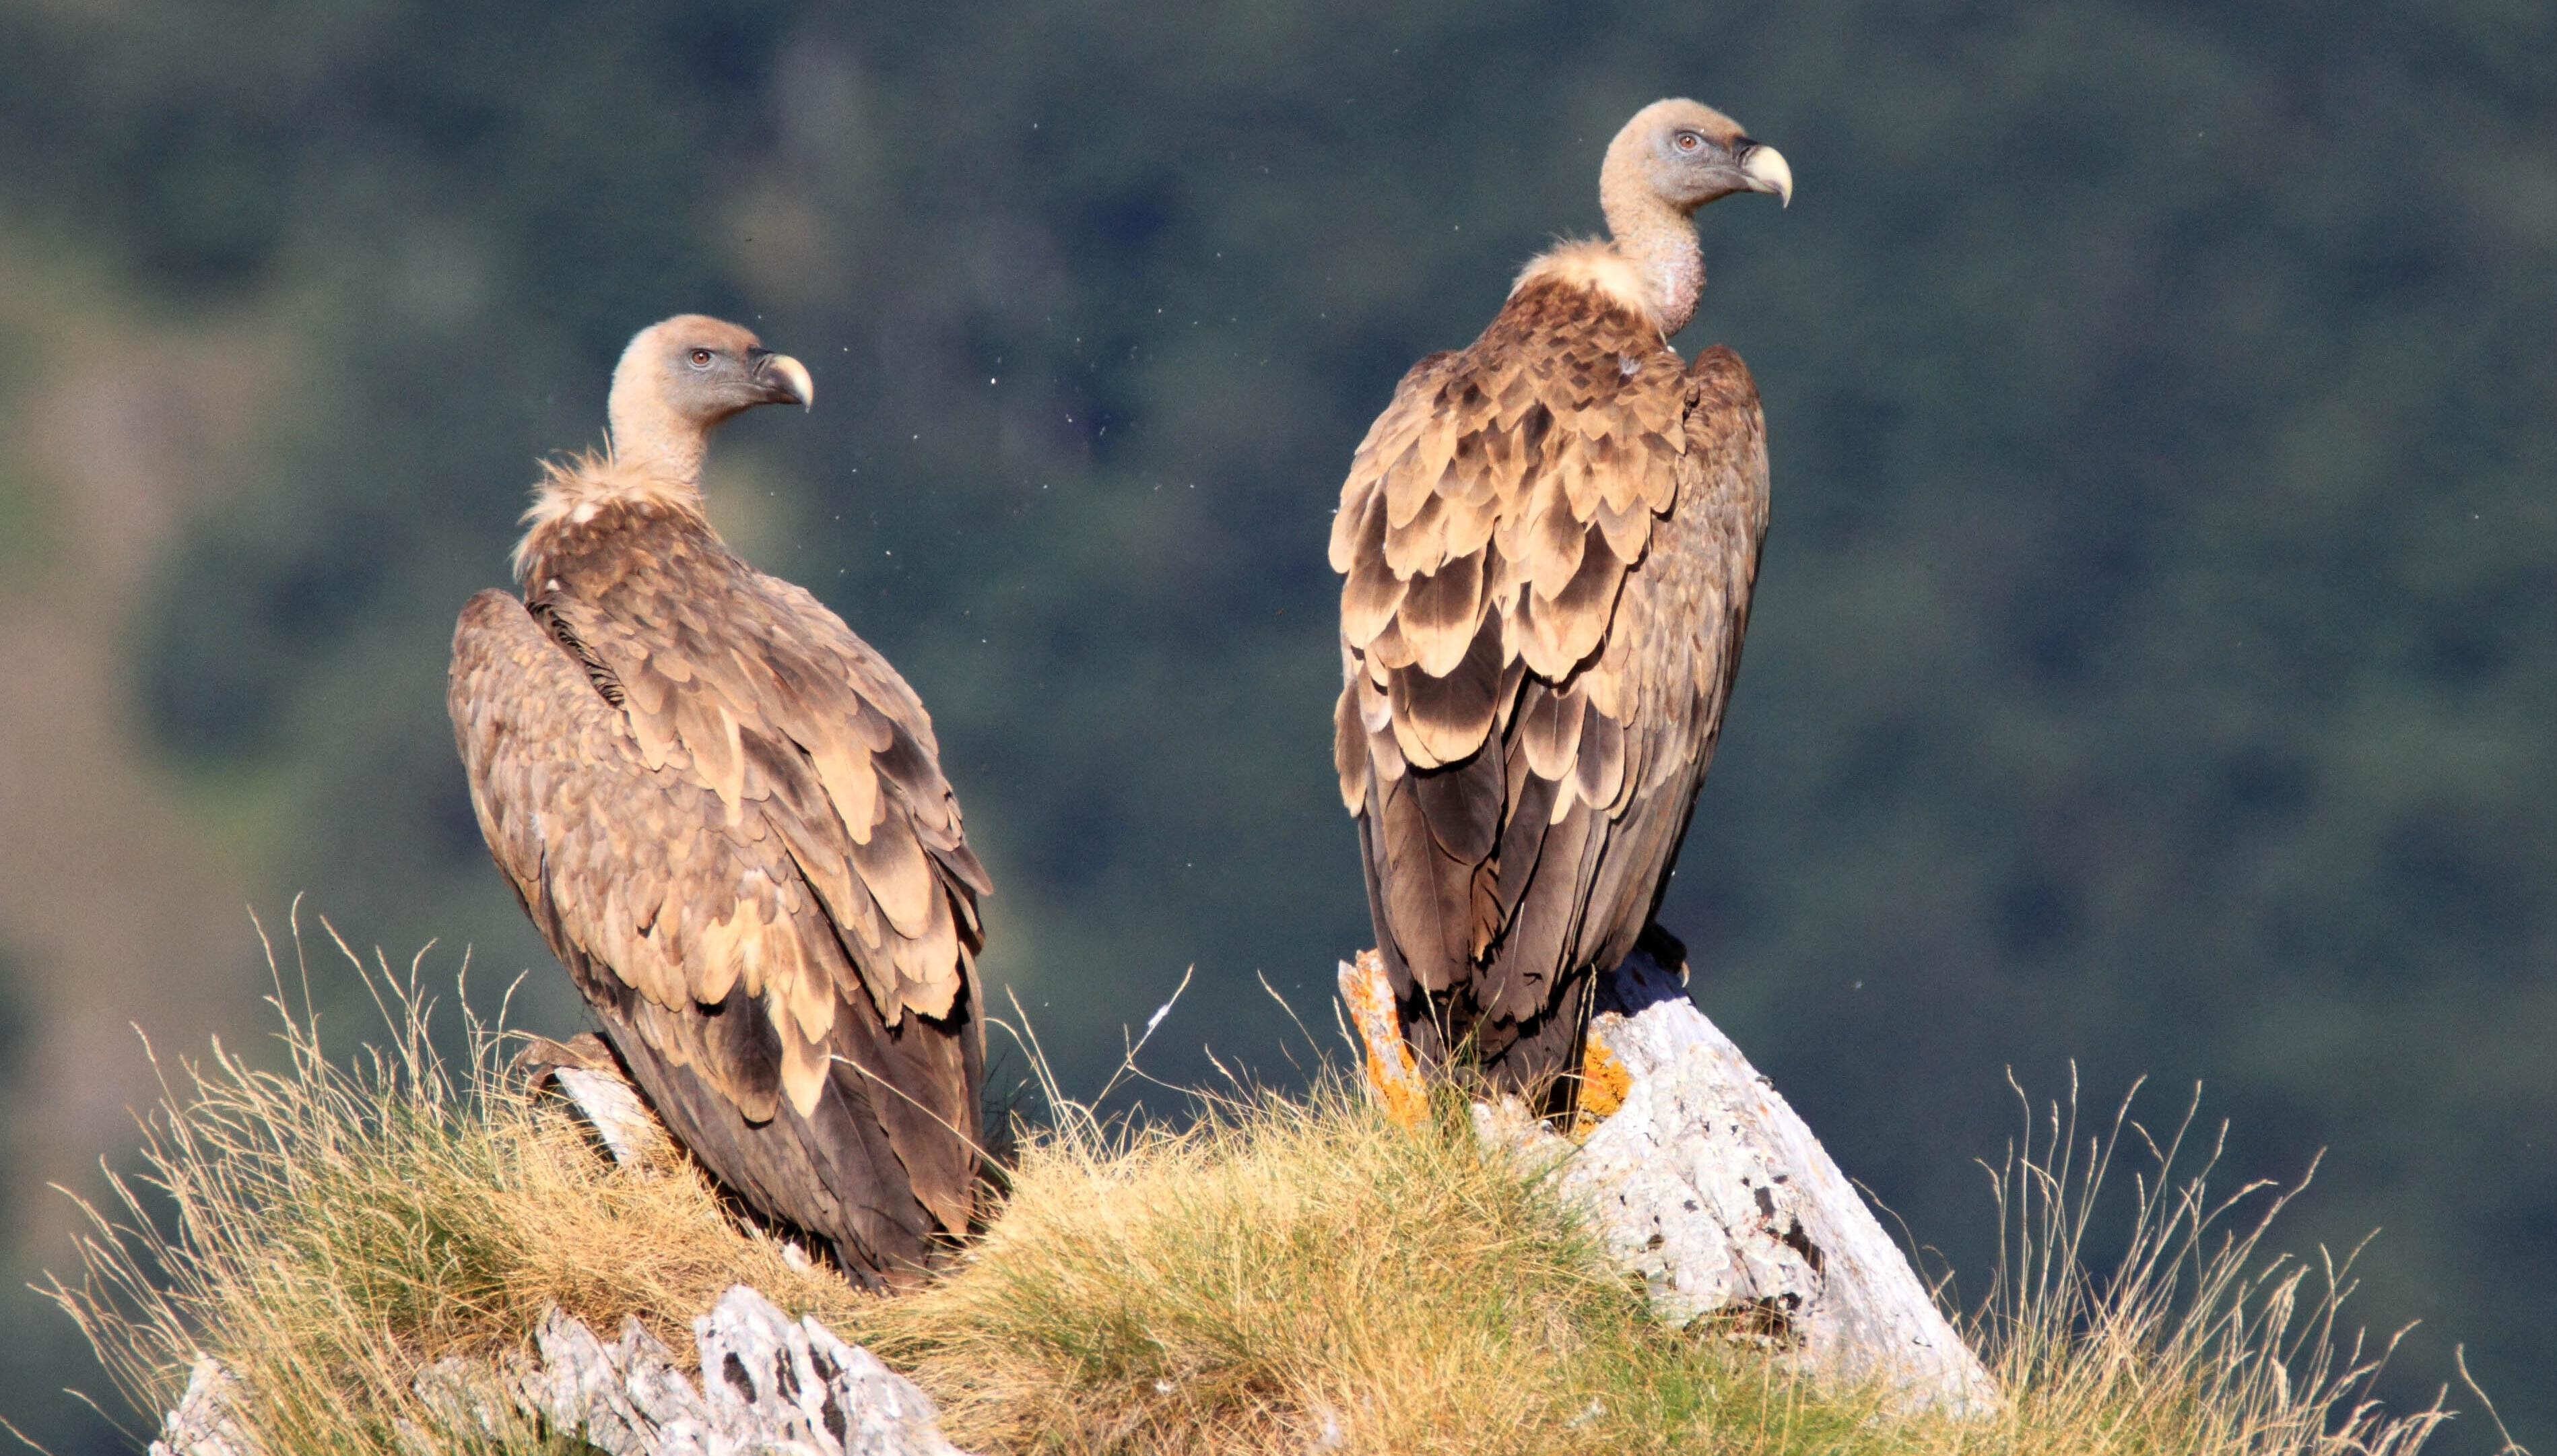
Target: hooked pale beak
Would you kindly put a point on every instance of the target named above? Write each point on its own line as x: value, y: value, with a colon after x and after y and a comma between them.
x: 1767, y: 171
x: 786, y: 379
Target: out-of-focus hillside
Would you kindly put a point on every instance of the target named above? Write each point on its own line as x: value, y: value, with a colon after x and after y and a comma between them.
x: 114, y: 873
x: 2152, y: 666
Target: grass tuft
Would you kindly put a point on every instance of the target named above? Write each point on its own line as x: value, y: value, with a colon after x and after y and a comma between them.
x: 1286, y: 1273
x: 1276, y: 1273
x: 325, y: 1230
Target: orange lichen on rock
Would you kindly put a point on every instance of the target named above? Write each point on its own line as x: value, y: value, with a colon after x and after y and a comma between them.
x: 1393, y: 1078
x: 1604, y: 1084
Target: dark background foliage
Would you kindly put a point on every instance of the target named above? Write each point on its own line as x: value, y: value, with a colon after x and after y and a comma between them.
x: 2151, y: 672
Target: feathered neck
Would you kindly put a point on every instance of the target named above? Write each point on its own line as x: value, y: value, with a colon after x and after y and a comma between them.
x: 652, y: 458
x: 1653, y: 265
x: 577, y: 488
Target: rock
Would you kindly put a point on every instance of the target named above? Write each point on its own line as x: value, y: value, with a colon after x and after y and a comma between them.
x: 1738, y: 1207
x: 1702, y: 1180
x: 768, y: 1385
x: 1393, y: 1078
x: 623, y: 1397
x: 459, y: 1398
x: 204, y: 1423
x: 584, y: 1071
x: 771, y: 1385
x: 762, y: 1373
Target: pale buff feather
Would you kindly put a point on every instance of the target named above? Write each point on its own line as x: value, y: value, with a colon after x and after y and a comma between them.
x: 577, y: 485
x: 1591, y: 264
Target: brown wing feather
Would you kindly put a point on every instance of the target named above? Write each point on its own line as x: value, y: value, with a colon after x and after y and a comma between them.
x: 1548, y: 541
x: 755, y: 871
x: 711, y: 653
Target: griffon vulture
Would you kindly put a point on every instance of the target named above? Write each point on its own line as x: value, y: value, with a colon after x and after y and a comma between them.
x: 1550, y: 539
x: 726, y: 814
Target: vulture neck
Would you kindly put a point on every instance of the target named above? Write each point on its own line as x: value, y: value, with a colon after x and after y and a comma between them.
x: 653, y: 464
x: 650, y: 437
x: 1658, y: 239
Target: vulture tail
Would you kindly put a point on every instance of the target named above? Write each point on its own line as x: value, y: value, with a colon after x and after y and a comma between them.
x: 836, y: 1174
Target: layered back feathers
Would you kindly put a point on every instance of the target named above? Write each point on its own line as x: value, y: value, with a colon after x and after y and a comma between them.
x: 727, y: 814
x: 1493, y: 512
x: 1548, y: 540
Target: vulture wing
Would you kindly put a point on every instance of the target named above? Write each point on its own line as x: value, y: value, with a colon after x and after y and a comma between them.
x: 726, y: 815
x: 1548, y: 541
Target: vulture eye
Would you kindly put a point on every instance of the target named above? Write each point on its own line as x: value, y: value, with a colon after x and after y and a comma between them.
x: 701, y: 359
x: 1688, y: 141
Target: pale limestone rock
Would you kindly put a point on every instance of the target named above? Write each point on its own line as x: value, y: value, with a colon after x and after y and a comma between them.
x: 797, y: 1383
x: 583, y: 1071
x: 771, y: 1385
x: 1705, y: 1183
x: 203, y: 1424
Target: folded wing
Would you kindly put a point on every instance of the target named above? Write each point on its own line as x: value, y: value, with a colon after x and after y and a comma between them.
x: 1547, y: 541
x: 726, y: 815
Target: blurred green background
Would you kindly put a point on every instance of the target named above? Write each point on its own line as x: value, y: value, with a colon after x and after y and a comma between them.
x: 2152, y: 666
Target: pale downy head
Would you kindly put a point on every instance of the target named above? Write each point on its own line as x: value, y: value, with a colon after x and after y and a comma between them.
x: 1686, y: 154
x: 1672, y: 158
x: 680, y: 378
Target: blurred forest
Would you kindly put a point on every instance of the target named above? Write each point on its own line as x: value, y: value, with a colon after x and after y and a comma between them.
x: 2154, y: 666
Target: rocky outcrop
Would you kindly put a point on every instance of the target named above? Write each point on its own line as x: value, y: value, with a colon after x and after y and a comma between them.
x: 1704, y: 1180
x: 768, y: 1383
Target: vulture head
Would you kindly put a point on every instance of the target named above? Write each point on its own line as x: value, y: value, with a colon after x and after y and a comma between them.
x: 680, y: 378
x: 1686, y: 154
x: 1672, y: 158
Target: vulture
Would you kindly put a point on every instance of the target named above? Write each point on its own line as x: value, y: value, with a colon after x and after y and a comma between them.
x: 726, y: 815
x: 1548, y: 540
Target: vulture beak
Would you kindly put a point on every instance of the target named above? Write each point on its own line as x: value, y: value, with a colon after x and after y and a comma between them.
x: 1767, y: 171
x: 785, y: 378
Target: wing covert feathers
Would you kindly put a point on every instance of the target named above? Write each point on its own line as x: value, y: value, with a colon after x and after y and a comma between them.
x: 1548, y: 542
x: 726, y: 815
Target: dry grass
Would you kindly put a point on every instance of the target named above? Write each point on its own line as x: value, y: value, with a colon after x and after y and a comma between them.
x: 1288, y: 1274
x: 2197, y: 1340
x: 1278, y: 1275
x: 326, y: 1228
x: 1285, y: 1274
